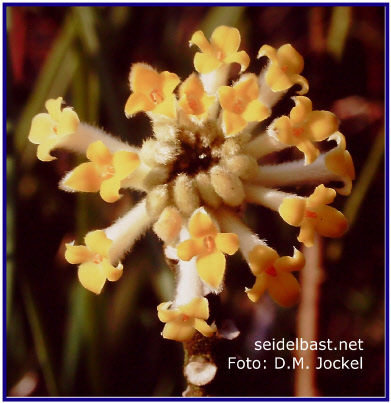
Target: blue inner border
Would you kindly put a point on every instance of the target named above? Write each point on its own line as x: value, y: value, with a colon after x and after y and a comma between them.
x: 226, y: 399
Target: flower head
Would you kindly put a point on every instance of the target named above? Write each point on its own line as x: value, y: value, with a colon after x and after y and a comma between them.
x: 274, y: 274
x: 222, y: 50
x: 181, y: 323
x: 209, y: 246
x: 313, y: 215
x: 49, y: 129
x: 152, y: 91
x: 284, y: 69
x: 103, y: 173
x: 241, y: 105
x: 95, y: 265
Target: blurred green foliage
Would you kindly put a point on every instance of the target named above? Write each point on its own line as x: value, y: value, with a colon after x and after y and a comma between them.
x: 78, y: 344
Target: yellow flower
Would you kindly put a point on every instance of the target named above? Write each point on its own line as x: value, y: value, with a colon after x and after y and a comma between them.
x: 152, y: 92
x: 240, y: 105
x: 95, y: 267
x: 48, y: 129
x: 339, y: 161
x: 193, y: 99
x: 104, y: 173
x: 305, y: 126
x: 181, y: 323
x: 209, y: 246
x: 222, y: 49
x: 311, y: 214
x: 274, y: 274
x: 284, y: 69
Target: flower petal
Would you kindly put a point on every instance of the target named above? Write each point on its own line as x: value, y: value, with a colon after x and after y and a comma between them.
x: 178, y: 329
x: 211, y: 268
x: 165, y: 314
x: 284, y: 289
x: 302, y: 108
x: 67, y: 122
x: 321, y: 196
x: 226, y: 39
x: 255, y: 111
x: 43, y: 150
x: 144, y: 79
x: 307, y: 233
x: 186, y: 250
x: 200, y: 40
x: 166, y: 107
x: 84, y: 178
x: 289, y: 264
x: 227, y: 243
x: 241, y: 58
x: 292, y: 210
x: 138, y: 102
x: 259, y: 288
x: 330, y: 222
x: 109, y: 190
x: 198, y: 307
x: 320, y: 125
x: 91, y: 277
x: 260, y: 258
x: 204, y: 63
x: 232, y: 123
x: 112, y: 273
x: 290, y: 58
x: 41, y: 128
x: 76, y: 254
x: 98, y: 242
x: 204, y: 328
x: 99, y: 154
x: 169, y: 82
x: 53, y: 107
x: 125, y: 162
x: 201, y: 225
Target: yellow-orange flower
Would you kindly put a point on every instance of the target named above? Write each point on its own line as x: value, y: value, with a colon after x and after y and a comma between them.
x: 104, y: 173
x: 95, y: 266
x: 284, y: 69
x: 222, y: 49
x: 241, y: 105
x: 339, y: 161
x: 152, y: 91
x: 209, y: 246
x: 305, y: 126
x: 48, y: 129
x: 181, y: 323
x: 313, y: 215
x: 274, y: 274
x: 193, y: 99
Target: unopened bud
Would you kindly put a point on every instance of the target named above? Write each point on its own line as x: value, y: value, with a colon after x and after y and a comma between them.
x: 245, y: 166
x: 168, y: 225
x: 207, y: 191
x: 156, y: 176
x: 157, y: 200
x: 227, y: 185
x: 185, y: 194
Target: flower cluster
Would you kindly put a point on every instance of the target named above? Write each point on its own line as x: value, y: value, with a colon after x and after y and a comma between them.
x: 200, y: 168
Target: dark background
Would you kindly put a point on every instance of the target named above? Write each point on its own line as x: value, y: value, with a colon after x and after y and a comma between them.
x: 64, y: 341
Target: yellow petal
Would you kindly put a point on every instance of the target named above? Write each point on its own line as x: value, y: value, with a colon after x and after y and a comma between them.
x: 292, y: 210
x: 98, y: 242
x: 241, y: 58
x: 232, y: 123
x: 84, y: 178
x: 259, y: 287
x: 289, y: 264
x: 277, y: 79
x: 109, y: 190
x: 41, y: 128
x: 307, y: 233
x: 301, y: 110
x: 186, y: 250
x: 227, y: 243
x: 289, y: 57
x: 43, y: 150
x: 309, y: 150
x: 198, y: 307
x: 169, y: 82
x: 270, y: 52
x: 53, y: 107
x: 166, y: 107
x: 283, y: 129
x: 247, y: 88
x: 260, y: 258
x: 321, y: 196
x: 211, y: 268
x: 76, y: 254
x: 99, y: 154
x: 144, y: 79
x: 165, y: 314
x: 91, y: 277
x: 138, y: 102
x: 112, y: 273
x: 67, y: 122
x: 225, y: 39
x: 204, y: 63
x: 284, y: 289
x: 204, y: 328
x: 320, y: 125
x: 201, y: 225
x: 125, y: 162
x: 199, y: 39
x: 330, y: 222
x: 227, y: 97
x: 178, y: 329
x: 297, y: 79
x: 255, y: 111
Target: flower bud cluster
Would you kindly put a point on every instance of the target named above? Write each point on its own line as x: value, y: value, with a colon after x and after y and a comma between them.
x: 198, y: 170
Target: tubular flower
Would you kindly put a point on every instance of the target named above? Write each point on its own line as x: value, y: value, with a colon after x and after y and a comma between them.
x: 95, y: 266
x: 240, y: 105
x: 181, y: 323
x: 152, y: 92
x: 284, y: 68
x: 313, y: 214
x: 199, y: 169
x: 274, y: 274
x: 303, y: 127
x: 104, y: 173
x: 222, y: 49
x: 49, y: 129
x: 193, y: 99
x: 209, y: 246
